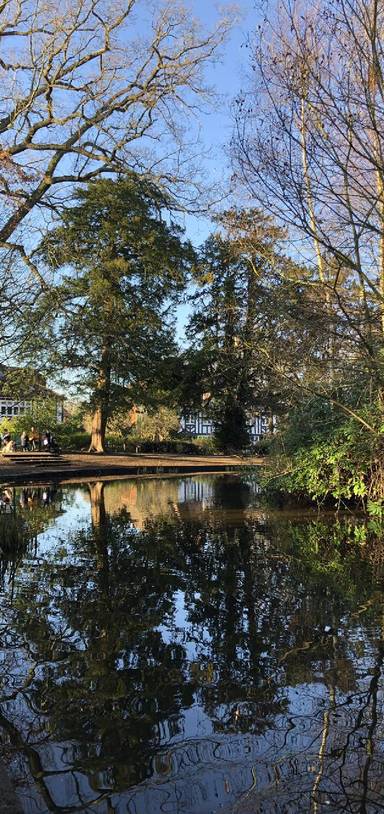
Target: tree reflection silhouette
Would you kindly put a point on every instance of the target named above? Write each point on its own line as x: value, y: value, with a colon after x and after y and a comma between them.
x: 129, y: 631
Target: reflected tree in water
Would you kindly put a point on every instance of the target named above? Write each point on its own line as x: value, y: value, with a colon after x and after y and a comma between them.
x: 266, y: 606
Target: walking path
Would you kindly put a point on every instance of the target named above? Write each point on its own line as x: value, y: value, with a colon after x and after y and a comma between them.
x: 69, y: 465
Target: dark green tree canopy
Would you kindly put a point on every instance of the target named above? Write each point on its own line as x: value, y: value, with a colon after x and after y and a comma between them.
x: 235, y: 322
x: 128, y: 220
x: 121, y: 264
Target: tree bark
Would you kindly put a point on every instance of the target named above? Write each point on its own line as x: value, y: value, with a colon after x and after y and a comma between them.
x: 99, y: 425
x: 322, y: 274
x: 101, y: 399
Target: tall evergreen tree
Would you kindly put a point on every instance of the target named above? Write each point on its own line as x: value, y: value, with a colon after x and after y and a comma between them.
x: 108, y: 322
x: 233, y: 321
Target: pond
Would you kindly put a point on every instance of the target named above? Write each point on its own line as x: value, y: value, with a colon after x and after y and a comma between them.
x: 168, y: 646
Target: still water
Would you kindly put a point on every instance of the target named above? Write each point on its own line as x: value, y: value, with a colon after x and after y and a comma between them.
x: 170, y: 647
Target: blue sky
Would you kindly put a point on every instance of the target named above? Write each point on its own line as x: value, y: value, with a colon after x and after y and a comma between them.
x: 227, y: 78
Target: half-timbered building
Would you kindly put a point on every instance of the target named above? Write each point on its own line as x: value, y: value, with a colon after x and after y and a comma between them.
x: 197, y: 424
x: 22, y: 403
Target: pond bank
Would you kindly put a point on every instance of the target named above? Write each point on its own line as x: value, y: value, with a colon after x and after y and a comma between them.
x: 67, y: 465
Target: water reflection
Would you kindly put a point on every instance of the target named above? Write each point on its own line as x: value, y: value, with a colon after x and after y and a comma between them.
x: 191, y: 655
x: 174, y: 495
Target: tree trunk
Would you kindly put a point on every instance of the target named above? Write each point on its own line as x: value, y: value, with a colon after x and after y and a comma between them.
x: 308, y: 194
x: 99, y: 424
x: 322, y: 272
x: 245, y: 384
x: 101, y: 400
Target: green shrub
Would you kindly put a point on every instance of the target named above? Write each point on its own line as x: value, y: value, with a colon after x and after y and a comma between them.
x: 158, y: 426
x: 77, y: 441
x: 206, y: 446
x: 114, y: 442
x: 174, y: 446
x: 171, y: 446
x: 74, y: 441
x: 263, y: 446
x: 339, y: 466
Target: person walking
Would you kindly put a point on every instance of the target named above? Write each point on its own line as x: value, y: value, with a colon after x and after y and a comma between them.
x: 24, y: 441
x: 33, y: 439
x: 47, y: 441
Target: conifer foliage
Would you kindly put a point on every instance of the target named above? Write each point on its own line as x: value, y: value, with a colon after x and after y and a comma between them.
x: 108, y: 321
x: 233, y: 322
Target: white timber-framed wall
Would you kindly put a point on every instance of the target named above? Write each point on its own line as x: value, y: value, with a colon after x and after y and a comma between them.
x: 13, y: 408
x: 197, y: 424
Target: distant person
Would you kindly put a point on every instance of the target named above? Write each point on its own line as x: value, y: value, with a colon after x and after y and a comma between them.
x: 47, y: 440
x: 9, y: 446
x: 5, y: 438
x: 34, y: 439
x: 53, y: 445
x: 24, y: 441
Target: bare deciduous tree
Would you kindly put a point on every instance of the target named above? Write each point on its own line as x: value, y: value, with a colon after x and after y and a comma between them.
x: 309, y: 147
x: 82, y: 83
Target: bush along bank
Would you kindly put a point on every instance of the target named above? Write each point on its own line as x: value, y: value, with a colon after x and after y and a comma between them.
x: 340, y: 465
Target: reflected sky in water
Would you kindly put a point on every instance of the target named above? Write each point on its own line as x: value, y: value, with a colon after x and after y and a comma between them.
x: 167, y: 646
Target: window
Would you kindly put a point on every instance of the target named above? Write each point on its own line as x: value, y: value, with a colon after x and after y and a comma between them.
x: 15, y: 410
x: 3, y: 409
x: 9, y: 409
